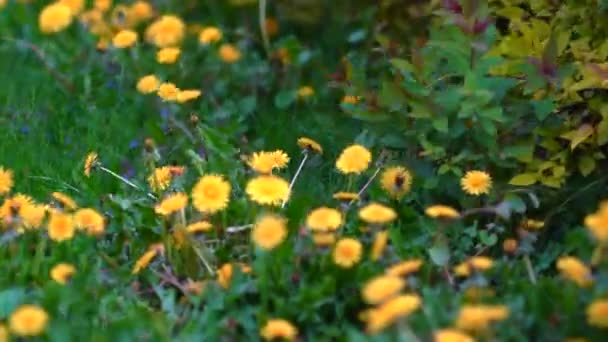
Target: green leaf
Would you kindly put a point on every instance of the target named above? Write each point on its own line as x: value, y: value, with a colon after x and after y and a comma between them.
x: 578, y: 135
x: 285, y: 98
x: 543, y: 108
x: 391, y: 96
x: 402, y: 65
x: 441, y: 124
x: 524, y: 179
x: 586, y: 165
x: 10, y: 299
x: 440, y: 254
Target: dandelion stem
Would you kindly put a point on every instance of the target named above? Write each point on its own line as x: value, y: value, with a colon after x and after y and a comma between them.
x: 236, y: 229
x: 262, y: 15
x: 295, y: 177
x: 56, y: 181
x: 201, y: 256
x: 124, y: 180
x: 369, y: 182
x: 529, y: 268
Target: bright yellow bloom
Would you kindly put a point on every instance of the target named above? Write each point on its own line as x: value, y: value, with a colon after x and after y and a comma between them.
x: 160, y: 179
x: 90, y: 220
x: 171, y: 204
x: 76, y: 6
x: 62, y: 273
x: 386, y: 314
x: 6, y: 180
x: 60, y: 227
x: 148, y: 84
x: 124, y: 39
x: 210, y: 35
x: 324, y: 219
x: 211, y: 194
x: 324, y: 239
x: 346, y: 196
x: 224, y: 274
x: 168, y: 55
x: 382, y: 288
x: 229, y: 53
x: 575, y: 270
x: 530, y: 224
x: 379, y: 245
x: 597, y: 313
x: 65, y: 200
x: 597, y: 223
x: 187, y: 95
x: 442, y: 212
x: 476, y: 182
x: 376, y: 213
x: 32, y: 215
x: 54, y: 18
x: 90, y: 162
x: 309, y: 145
x: 347, y: 252
x: 404, y: 268
x: 278, y: 329
x: 509, y: 246
x: 305, y: 92
x: 268, y: 190
x: 28, y: 320
x: 451, y: 335
x: 396, y: 180
x: 140, y: 11
x: 473, y: 264
x: 3, y: 328
x: 477, y: 318
x: 102, y: 5
x: 354, y: 159
x: 350, y: 99
x: 147, y: 257
x: 199, y: 227
x: 269, y: 232
x: 167, y: 31
x: 168, y: 91
x: 264, y: 162
x: 13, y: 207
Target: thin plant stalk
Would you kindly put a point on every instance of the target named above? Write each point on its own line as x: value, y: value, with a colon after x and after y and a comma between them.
x: 295, y: 177
x: 124, y: 180
x: 529, y: 268
x: 263, y: 30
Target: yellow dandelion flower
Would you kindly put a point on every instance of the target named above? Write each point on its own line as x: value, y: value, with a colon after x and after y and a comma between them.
x: 195, y: 287
x: 324, y: 219
x: 168, y: 91
x: 509, y: 246
x: 451, y: 335
x: 379, y: 245
x: 54, y: 18
x: 211, y: 194
x: 442, y: 212
x: 148, y: 84
x: 140, y: 11
x: 32, y: 215
x: 6, y: 180
x: 160, y: 179
x: 171, y: 204
x: 386, y: 314
x: 188, y: 95
x: 597, y: 223
x: 168, y: 55
x: 229, y: 53
x: 124, y: 39
x: 476, y: 183
x: 167, y: 31
x: 199, y: 227
x: 278, y: 329
x: 354, y: 159
x: 473, y: 264
x: 404, y: 268
x: 376, y: 213
x: 3, y: 328
x: 90, y: 163
x: 102, y: 5
x: 477, y: 318
x: 264, y: 162
x: 281, y: 159
x: 65, y: 200
x: 268, y: 190
x: 90, y: 220
x: 347, y: 252
x: 305, y: 92
x: 60, y: 227
x: 147, y: 257
x: 269, y: 232
x: 531, y: 224
x: 381, y: 289
x: 575, y: 270
x: 346, y: 196
x: 210, y: 35
x: 323, y: 239
x: 28, y: 320
x: 597, y: 313
x: 308, y: 144
x: 13, y: 207
x: 62, y: 273
x: 350, y: 99
x: 76, y: 6
x: 396, y: 180
x: 225, y: 272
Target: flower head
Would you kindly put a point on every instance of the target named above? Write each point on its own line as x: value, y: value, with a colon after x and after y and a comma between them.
x: 386, y: 314
x: 379, y: 245
x: 124, y: 39
x: 278, y: 329
x: 62, y: 273
x: 28, y: 320
x: 575, y: 270
x: 210, y: 35
x: 91, y: 161
x: 168, y: 91
x: 211, y: 194
x: 229, y: 53
x: 147, y: 257
x: 6, y: 180
x: 268, y: 190
x: 160, y: 179
x: 347, y: 252
x: 396, y: 180
x: 305, y: 92
x: 64, y: 200
x: 376, y: 213
x: 54, y: 18
x: 530, y: 224
x: 32, y: 215
x: 477, y: 318
x: 264, y: 162
x: 168, y: 55
x: 597, y: 313
x: 451, y: 335
x: 381, y: 289
x: 324, y: 219
x: 324, y: 239
x: 167, y: 31
x: 76, y: 6
x: 224, y: 274
x: 476, y: 182
x: 171, y: 204
x: 346, y: 196
x: 354, y: 159
x: 597, y: 223
x: 188, y: 95
x: 148, y: 84
x: 90, y: 220
x: 269, y: 232
x: 61, y: 227
x: 308, y: 144
x: 140, y: 11
x: 404, y: 268
x: 199, y: 227
x: 442, y: 212
x: 473, y: 264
